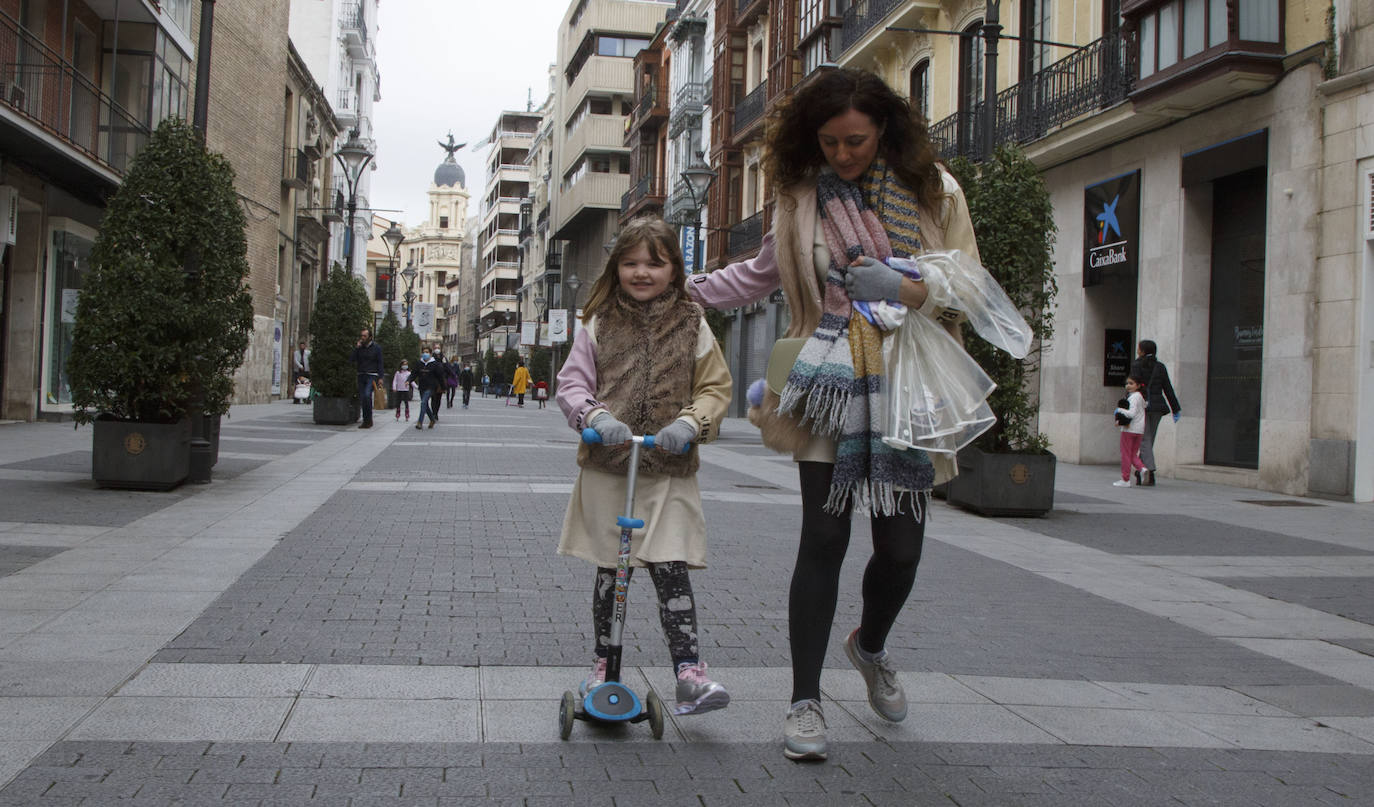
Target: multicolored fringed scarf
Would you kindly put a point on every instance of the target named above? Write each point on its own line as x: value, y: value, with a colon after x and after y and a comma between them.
x: 838, y: 377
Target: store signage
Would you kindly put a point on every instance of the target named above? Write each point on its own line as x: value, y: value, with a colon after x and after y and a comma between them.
x: 1111, y: 228
x: 1116, y: 357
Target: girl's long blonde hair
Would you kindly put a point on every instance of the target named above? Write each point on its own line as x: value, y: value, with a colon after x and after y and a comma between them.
x: 661, y: 241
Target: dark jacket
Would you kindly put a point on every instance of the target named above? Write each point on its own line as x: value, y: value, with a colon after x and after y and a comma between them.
x: 1159, y: 393
x: 368, y: 358
x: 430, y: 376
x: 465, y: 378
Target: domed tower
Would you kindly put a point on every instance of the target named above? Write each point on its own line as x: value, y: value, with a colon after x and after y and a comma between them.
x: 448, y: 195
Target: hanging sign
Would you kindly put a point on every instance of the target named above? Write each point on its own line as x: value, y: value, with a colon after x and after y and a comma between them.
x: 1111, y: 228
x: 528, y: 331
x: 558, y: 325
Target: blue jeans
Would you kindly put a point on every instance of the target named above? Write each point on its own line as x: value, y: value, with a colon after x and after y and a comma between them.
x: 425, y: 395
x: 365, y: 394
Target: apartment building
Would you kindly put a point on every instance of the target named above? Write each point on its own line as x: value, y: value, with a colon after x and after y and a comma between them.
x: 1209, y: 165
x: 75, y: 106
x: 337, y: 41
x: 506, y: 193
x: 597, y: 43
x: 541, y: 288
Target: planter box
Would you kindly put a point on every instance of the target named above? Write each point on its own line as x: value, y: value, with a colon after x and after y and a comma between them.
x: 140, y: 456
x: 335, y: 411
x: 1003, y: 484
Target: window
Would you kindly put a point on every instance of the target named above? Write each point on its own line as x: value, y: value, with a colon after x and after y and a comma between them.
x: 919, y: 96
x: 443, y: 222
x: 1036, y: 26
x: 620, y: 45
x: 971, y: 67
x: 1180, y: 30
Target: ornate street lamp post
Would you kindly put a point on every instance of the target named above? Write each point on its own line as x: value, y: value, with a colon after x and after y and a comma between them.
x: 393, y: 238
x: 698, y: 178
x: 353, y: 157
x: 409, y: 274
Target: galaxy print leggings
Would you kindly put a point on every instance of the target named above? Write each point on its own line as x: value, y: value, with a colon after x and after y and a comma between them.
x: 677, y: 609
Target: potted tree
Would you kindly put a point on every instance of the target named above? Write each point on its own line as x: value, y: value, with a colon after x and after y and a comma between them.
x: 1009, y: 470
x: 164, y: 316
x: 341, y: 311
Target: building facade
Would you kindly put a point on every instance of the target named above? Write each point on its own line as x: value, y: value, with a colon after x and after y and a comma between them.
x: 435, y: 249
x: 76, y: 104
x: 505, y: 199
x: 337, y: 41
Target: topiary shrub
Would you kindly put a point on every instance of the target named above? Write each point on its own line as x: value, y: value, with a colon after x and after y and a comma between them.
x: 165, y: 314
x: 1014, y: 223
x: 341, y: 311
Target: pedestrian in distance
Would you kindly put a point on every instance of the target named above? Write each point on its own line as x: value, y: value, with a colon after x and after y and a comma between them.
x: 486, y: 381
x: 645, y: 362
x: 367, y: 358
x: 520, y: 382
x: 436, y: 352
x: 1160, y: 400
x: 429, y: 379
x: 465, y: 381
x: 400, y: 386
x: 541, y: 392
x: 451, y: 369
x: 857, y: 179
x: 300, y: 361
x: 1130, y: 420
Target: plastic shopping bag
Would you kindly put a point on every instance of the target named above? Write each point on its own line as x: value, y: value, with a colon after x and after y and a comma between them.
x: 936, y: 395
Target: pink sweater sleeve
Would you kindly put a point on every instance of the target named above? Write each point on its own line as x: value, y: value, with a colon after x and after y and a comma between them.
x: 739, y: 283
x: 577, y: 382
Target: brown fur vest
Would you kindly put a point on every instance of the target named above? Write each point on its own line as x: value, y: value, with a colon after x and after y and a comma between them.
x: 645, y: 365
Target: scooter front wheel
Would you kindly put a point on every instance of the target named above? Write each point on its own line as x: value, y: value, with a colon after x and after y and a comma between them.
x: 567, y: 714
x: 654, y: 707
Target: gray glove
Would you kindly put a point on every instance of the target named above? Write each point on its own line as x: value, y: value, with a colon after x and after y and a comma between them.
x: 871, y: 279
x: 612, y: 431
x: 676, y: 437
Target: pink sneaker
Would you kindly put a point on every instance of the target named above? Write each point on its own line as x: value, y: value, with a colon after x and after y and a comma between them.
x: 697, y: 694
x: 595, y: 678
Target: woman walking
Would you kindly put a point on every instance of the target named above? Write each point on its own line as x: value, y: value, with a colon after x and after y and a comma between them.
x: 857, y: 182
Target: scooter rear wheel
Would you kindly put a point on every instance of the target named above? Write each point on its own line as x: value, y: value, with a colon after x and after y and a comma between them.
x: 654, y: 707
x: 567, y: 714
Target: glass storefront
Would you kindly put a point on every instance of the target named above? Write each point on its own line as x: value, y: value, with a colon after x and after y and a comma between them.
x: 69, y: 261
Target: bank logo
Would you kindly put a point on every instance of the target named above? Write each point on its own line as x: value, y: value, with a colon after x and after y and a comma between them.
x: 1107, y: 220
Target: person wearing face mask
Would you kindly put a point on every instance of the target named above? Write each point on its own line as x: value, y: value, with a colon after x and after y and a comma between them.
x: 400, y: 385
x: 857, y: 183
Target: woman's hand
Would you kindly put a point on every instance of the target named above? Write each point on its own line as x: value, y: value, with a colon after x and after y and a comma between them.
x: 871, y: 279
x: 675, y: 437
x: 612, y: 431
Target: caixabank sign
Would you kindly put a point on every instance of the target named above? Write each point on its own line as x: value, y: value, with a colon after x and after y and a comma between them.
x: 1111, y: 228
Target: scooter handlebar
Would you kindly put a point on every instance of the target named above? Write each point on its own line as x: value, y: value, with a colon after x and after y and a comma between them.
x: 593, y: 437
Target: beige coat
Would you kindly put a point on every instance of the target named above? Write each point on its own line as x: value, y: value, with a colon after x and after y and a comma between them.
x: 674, y: 527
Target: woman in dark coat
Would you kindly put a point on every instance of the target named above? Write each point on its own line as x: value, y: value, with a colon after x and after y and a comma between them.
x: 1160, y: 400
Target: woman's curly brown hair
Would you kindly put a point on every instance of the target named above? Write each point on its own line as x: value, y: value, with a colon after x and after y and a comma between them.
x: 793, y: 152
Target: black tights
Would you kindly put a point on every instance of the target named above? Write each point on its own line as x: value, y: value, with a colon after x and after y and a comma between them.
x: 888, y: 578
x: 677, y: 611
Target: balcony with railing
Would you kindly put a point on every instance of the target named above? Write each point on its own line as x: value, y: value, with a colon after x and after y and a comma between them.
x: 746, y: 11
x: 43, y: 90
x: 652, y: 105
x: 1094, y: 78
x: 688, y: 104
x: 645, y: 194
x: 748, y: 112
x: 295, y: 169
x: 745, y: 237
x: 353, y: 24
x: 864, y: 20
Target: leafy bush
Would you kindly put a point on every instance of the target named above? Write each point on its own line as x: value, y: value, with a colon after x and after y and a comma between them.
x: 341, y: 311
x: 165, y: 314
x: 1014, y: 222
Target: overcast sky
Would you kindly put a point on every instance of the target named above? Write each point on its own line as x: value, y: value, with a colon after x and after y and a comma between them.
x: 452, y: 65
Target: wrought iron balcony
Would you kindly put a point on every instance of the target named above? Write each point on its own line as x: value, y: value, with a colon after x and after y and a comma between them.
x: 47, y: 90
x: 861, y: 18
x: 688, y: 105
x: 750, y: 109
x: 745, y: 236
x: 295, y: 169
x: 1093, y: 78
x: 648, y: 191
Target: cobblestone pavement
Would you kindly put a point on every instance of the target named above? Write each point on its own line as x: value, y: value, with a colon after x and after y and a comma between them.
x: 379, y: 617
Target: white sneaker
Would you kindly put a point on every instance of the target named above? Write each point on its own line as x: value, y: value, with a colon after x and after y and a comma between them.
x: 1121, y: 483
x: 804, y: 732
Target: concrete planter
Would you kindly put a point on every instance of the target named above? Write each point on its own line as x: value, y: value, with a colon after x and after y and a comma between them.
x: 1003, y: 484
x: 140, y: 456
x: 335, y: 411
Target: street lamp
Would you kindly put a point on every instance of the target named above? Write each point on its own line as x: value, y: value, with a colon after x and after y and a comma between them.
x: 698, y: 177
x: 409, y: 274
x: 574, y: 283
x: 353, y: 157
x: 393, y: 238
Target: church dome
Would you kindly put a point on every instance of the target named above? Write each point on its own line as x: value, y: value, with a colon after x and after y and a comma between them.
x: 449, y: 174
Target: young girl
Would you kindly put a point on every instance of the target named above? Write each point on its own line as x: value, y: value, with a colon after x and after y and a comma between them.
x: 645, y: 362
x: 400, y: 384
x: 1131, y: 432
